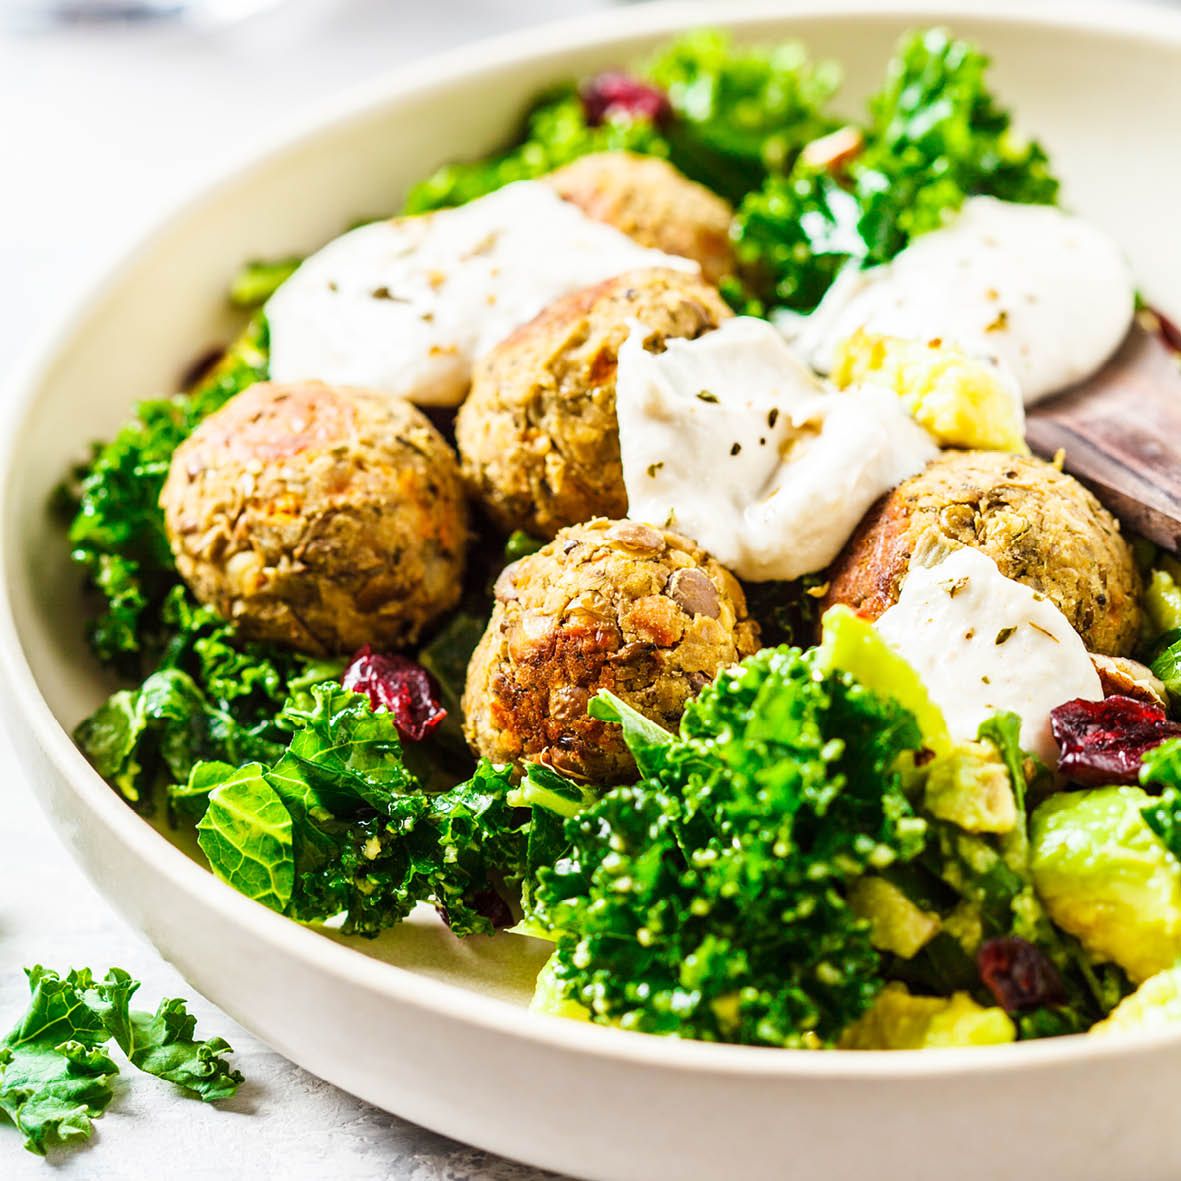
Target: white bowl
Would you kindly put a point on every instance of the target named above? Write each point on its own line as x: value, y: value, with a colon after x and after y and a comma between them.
x: 420, y: 1023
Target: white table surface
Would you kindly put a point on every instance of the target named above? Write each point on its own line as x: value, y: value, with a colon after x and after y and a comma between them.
x: 99, y: 130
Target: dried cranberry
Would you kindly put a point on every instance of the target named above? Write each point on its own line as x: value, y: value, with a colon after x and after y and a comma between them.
x: 1103, y: 742
x: 403, y: 687
x: 1018, y: 974
x: 487, y: 903
x: 615, y: 95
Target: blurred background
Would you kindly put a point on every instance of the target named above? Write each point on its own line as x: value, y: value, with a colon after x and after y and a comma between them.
x: 105, y: 122
x: 112, y: 110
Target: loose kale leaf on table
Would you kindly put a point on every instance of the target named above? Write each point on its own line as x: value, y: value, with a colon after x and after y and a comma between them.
x: 163, y: 1043
x: 56, y: 1075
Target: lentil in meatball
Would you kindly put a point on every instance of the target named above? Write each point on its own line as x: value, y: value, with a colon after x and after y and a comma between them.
x: 607, y: 605
x: 318, y: 517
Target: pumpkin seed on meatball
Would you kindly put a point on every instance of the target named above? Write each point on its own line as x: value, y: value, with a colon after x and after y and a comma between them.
x: 318, y: 517
x: 538, y: 434
x: 612, y: 605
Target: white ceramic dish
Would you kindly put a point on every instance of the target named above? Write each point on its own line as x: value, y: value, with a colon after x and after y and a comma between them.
x: 419, y: 1023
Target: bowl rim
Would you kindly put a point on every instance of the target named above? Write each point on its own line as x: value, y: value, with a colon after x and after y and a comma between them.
x: 467, y: 63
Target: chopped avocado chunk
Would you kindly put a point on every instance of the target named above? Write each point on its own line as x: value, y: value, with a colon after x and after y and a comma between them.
x: 1107, y: 879
x: 965, y: 925
x: 899, y: 1021
x: 1162, y: 601
x: 548, y: 998
x: 852, y: 645
x: 895, y: 923
x: 970, y: 787
x: 962, y: 401
x: 1155, y: 1004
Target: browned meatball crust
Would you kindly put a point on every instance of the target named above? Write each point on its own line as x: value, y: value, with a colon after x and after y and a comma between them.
x: 318, y: 517
x: 1039, y: 525
x: 538, y: 435
x: 606, y: 605
x: 649, y: 200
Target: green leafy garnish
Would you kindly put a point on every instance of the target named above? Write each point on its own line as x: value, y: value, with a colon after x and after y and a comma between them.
x: 1162, y: 771
x: 555, y: 133
x: 214, y: 697
x: 708, y: 900
x: 163, y: 1043
x: 935, y: 137
x: 147, y: 737
x: 741, y: 112
x: 1166, y: 664
x: 246, y: 834
x: 55, y: 1074
x: 339, y: 825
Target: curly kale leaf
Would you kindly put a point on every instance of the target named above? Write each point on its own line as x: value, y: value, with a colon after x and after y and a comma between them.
x: 737, y: 114
x: 553, y: 799
x: 740, y: 113
x: 117, y: 532
x: 709, y: 899
x: 259, y: 279
x: 163, y: 1043
x: 555, y: 133
x: 144, y: 739
x: 337, y: 824
x: 935, y: 137
x: 1162, y: 773
x: 214, y: 697
x: 55, y: 1074
x: 245, y: 833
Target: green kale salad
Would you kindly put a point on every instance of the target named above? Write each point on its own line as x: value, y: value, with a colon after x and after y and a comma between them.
x: 383, y: 650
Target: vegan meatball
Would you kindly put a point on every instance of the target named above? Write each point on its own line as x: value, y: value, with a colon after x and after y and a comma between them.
x: 649, y: 200
x: 538, y: 434
x: 606, y: 605
x: 319, y: 517
x: 1039, y: 525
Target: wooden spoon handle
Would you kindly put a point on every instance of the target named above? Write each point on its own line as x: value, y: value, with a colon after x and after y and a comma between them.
x: 1121, y: 434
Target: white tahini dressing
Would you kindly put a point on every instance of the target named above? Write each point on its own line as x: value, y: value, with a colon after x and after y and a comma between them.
x: 406, y: 306
x: 733, y: 442
x: 982, y: 643
x: 1041, y: 293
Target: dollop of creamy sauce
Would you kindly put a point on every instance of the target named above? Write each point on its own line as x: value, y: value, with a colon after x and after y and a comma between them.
x: 406, y: 306
x: 983, y: 643
x: 1041, y: 293
x: 732, y: 441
